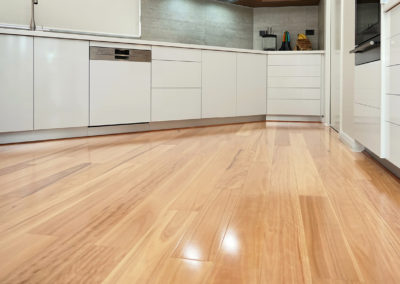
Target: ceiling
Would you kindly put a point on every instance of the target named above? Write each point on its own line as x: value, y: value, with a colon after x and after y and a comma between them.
x: 274, y: 3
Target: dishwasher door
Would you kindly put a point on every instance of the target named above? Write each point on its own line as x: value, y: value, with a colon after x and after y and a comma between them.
x: 119, y: 86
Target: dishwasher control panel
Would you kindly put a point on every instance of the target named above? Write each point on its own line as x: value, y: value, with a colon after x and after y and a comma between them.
x: 119, y: 54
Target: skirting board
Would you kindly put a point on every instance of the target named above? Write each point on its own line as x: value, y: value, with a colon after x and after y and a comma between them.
x: 294, y: 118
x: 353, y: 144
x: 51, y: 134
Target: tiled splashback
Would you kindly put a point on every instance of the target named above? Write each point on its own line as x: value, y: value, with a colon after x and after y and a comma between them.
x: 209, y: 22
x: 293, y: 19
x: 204, y: 22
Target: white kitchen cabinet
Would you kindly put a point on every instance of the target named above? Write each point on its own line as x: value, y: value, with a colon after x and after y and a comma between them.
x: 16, y: 83
x: 218, y: 84
x: 395, y: 21
x: 176, y: 74
x: 367, y: 106
x: 392, y: 143
x: 176, y: 54
x: 294, y: 107
x: 367, y: 127
x: 175, y: 104
x: 393, y: 109
x: 367, y: 84
x: 294, y: 82
x: 119, y: 92
x: 294, y: 71
x: 294, y: 94
x: 393, y: 51
x: 251, y: 84
x: 294, y: 59
x: 393, y: 80
x: 61, y: 83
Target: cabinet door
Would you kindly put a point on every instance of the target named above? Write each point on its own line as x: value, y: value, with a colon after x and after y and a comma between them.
x: 251, y: 84
x: 61, y: 83
x: 119, y: 92
x: 16, y: 83
x: 176, y: 104
x: 218, y: 84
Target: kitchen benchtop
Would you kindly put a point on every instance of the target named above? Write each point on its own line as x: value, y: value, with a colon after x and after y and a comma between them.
x: 75, y: 36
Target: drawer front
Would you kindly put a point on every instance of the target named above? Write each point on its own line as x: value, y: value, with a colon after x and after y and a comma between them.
x: 367, y: 127
x: 294, y: 82
x: 294, y: 71
x: 393, y: 80
x: 175, y: 104
x: 392, y: 143
x: 294, y: 94
x: 395, y: 21
x: 367, y: 84
x: 294, y: 107
x: 176, y: 54
x: 394, y: 51
x: 294, y: 59
x: 393, y: 109
x: 175, y: 74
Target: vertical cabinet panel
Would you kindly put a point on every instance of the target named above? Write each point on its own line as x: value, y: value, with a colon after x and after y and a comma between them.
x: 218, y: 84
x: 61, y: 83
x: 16, y: 83
x: 251, y: 84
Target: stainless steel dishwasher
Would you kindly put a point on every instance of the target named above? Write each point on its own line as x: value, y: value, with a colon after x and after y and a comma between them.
x: 119, y: 85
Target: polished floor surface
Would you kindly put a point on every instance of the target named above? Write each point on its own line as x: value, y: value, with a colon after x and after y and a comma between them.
x: 248, y: 203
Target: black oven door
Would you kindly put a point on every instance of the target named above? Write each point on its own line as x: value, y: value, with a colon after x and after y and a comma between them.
x: 369, y: 51
x: 368, y: 31
x: 368, y: 20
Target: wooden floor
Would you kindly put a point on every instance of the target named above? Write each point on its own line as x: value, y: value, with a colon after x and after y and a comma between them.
x: 250, y: 203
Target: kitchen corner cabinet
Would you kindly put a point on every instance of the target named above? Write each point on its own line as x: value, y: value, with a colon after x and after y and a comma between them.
x: 16, y: 83
x: 251, y: 84
x: 218, y: 84
x: 61, y: 83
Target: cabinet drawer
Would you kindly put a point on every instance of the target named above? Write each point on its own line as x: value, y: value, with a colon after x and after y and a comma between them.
x: 175, y: 74
x: 175, y: 104
x: 392, y: 143
x: 367, y: 84
x: 294, y: 107
x: 294, y: 94
x: 294, y: 59
x: 294, y: 82
x: 294, y: 71
x: 395, y: 21
x: 393, y: 109
x: 394, y: 51
x: 393, y: 80
x: 176, y: 54
x: 367, y: 127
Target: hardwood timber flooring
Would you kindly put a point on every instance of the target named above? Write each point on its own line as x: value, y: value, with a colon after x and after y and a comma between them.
x: 249, y: 203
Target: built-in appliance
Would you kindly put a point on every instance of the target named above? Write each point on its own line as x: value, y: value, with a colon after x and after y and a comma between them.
x: 119, y: 85
x: 368, y: 31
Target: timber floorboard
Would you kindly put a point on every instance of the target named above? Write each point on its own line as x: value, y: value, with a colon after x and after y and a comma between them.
x: 265, y: 202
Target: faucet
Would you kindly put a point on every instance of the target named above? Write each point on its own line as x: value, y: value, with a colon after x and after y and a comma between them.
x: 32, y: 26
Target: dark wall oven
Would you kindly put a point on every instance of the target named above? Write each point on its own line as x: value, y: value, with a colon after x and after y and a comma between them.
x: 368, y: 31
